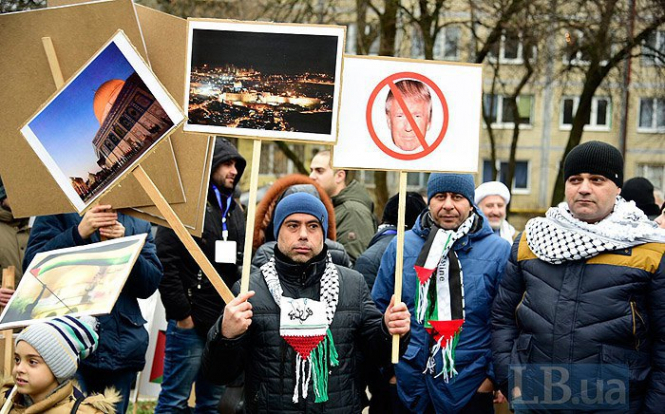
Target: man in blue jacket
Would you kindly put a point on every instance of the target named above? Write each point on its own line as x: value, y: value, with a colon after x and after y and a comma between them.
x: 583, y: 297
x: 452, y: 265
x: 123, y: 340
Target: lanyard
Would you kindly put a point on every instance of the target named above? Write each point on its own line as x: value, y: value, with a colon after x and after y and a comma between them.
x: 225, y: 211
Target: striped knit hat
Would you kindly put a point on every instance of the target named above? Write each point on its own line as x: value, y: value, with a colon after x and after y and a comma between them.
x: 62, y: 342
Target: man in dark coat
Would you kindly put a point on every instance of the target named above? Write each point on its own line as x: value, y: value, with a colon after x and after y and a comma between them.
x: 583, y: 298
x: 297, y: 332
x: 123, y: 340
x: 192, y: 304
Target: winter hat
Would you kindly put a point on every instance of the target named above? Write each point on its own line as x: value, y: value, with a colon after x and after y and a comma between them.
x: 492, y: 188
x: 62, y: 342
x: 414, y: 206
x: 300, y: 203
x: 595, y: 157
x: 451, y: 183
x: 640, y: 190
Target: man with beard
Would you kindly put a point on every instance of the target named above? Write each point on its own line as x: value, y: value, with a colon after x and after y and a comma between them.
x: 192, y: 304
x: 493, y: 197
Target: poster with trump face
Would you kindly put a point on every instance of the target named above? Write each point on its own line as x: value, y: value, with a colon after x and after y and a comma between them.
x: 409, y: 115
x: 102, y: 122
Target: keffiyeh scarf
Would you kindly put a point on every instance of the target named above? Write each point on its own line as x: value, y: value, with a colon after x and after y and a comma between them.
x: 559, y: 237
x: 440, y: 302
x: 305, y: 325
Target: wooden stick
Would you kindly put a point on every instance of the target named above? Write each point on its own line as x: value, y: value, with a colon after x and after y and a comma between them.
x: 7, y: 406
x: 251, y: 208
x: 399, y: 259
x: 8, y: 281
x: 53, y: 62
x: 182, y: 233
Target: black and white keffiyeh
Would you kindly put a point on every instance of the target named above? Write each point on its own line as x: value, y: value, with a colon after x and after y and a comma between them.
x: 559, y: 237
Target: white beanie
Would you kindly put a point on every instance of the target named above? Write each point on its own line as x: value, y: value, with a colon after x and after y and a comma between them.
x: 492, y: 188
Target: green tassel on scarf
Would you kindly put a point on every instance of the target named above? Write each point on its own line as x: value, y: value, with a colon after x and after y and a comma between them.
x: 323, y: 355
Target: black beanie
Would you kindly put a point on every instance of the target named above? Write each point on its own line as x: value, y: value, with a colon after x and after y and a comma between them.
x: 414, y: 206
x: 640, y: 190
x: 595, y: 157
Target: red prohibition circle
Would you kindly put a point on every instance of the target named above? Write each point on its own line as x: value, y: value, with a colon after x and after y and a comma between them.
x: 370, y: 104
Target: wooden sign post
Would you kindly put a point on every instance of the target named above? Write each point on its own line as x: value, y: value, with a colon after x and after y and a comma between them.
x: 251, y: 209
x: 8, y: 281
x: 399, y: 259
x: 156, y: 197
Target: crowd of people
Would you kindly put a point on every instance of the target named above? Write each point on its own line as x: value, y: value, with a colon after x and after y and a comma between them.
x: 582, y: 286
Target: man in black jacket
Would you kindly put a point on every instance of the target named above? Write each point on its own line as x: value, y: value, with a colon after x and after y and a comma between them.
x: 579, y: 318
x: 191, y: 302
x: 297, y: 332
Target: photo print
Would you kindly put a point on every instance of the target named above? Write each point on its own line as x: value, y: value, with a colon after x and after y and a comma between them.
x: 100, y: 125
x: 264, y: 80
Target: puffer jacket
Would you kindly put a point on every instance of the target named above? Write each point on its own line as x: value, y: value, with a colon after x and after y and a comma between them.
x: 609, y: 309
x: 368, y: 263
x: 65, y: 399
x: 269, y: 362
x: 483, y: 256
x: 354, y: 215
x: 123, y: 340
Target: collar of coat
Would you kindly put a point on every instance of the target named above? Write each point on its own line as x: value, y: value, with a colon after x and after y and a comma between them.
x: 302, y: 274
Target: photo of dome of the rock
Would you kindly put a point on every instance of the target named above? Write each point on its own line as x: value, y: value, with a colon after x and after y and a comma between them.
x: 100, y: 124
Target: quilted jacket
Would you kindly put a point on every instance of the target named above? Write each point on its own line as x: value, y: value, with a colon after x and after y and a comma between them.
x: 609, y: 309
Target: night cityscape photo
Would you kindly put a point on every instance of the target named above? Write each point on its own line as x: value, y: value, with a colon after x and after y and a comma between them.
x: 263, y: 81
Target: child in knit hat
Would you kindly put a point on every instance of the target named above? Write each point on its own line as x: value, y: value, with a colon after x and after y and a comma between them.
x: 46, y: 358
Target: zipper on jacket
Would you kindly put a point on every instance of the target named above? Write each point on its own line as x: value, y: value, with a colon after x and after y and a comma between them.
x: 517, y: 308
x: 634, y: 313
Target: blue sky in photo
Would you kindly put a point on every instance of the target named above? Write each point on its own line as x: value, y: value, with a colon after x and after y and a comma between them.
x: 67, y: 126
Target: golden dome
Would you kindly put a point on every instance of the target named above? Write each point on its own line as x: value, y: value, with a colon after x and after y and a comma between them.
x: 105, y: 97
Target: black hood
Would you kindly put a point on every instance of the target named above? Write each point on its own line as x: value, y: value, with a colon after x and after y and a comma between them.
x: 225, y: 151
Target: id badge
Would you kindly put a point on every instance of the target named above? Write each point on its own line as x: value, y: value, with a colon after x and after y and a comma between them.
x: 225, y: 251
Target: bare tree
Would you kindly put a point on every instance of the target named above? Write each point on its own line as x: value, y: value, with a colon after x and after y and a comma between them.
x: 598, y: 41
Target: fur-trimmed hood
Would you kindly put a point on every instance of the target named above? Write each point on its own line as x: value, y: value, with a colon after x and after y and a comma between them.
x: 266, y: 208
x: 62, y: 400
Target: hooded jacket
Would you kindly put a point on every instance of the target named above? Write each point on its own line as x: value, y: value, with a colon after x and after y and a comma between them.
x: 269, y: 362
x: 184, y: 289
x: 354, y: 216
x: 483, y: 256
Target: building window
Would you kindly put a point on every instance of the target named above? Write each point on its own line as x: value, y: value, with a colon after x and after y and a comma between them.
x: 655, y: 173
x: 653, y: 49
x: 652, y: 115
x: 498, y: 109
x: 275, y: 162
x: 416, y: 180
x: 446, y: 46
x: 509, y: 50
x: 520, y: 180
x: 599, y: 119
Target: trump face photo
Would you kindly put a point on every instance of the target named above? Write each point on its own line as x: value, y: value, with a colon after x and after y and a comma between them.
x: 409, y: 115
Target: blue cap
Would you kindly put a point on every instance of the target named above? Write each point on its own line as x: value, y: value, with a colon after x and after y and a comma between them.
x: 451, y: 183
x: 300, y: 203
